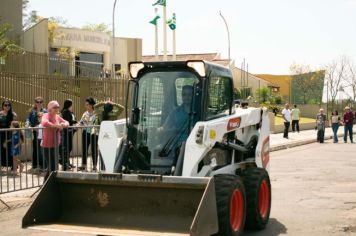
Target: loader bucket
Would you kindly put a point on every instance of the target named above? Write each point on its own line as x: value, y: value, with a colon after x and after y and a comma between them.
x: 119, y: 204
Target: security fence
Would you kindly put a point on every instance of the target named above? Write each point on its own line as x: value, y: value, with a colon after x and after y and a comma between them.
x: 25, y: 162
x: 41, y: 63
x: 21, y: 89
x: 28, y: 75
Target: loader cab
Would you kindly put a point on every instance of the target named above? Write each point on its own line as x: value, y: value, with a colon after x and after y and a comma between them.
x: 168, y: 98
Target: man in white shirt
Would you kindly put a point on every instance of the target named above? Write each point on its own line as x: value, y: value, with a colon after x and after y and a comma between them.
x: 286, y: 114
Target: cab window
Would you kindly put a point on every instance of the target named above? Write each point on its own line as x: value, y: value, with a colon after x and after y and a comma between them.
x: 219, y: 96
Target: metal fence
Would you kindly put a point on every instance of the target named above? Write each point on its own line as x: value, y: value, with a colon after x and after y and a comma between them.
x: 21, y: 89
x: 26, y: 166
x: 41, y: 63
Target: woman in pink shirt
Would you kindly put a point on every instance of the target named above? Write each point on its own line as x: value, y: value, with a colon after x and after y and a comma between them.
x: 51, y: 139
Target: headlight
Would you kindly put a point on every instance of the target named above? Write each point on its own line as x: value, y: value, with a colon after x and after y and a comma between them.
x: 135, y: 67
x: 198, y: 66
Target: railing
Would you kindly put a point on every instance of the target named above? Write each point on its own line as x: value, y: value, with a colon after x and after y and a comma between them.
x: 74, y: 149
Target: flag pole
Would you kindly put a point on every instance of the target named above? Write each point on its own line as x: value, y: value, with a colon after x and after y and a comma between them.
x: 156, y: 37
x: 174, y: 45
x: 164, y: 33
x: 174, y: 38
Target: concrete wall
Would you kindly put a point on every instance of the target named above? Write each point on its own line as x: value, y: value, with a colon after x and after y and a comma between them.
x: 309, y: 111
x: 126, y: 50
x: 253, y: 81
x: 11, y: 12
x: 280, y: 128
x: 81, y: 40
x: 35, y: 39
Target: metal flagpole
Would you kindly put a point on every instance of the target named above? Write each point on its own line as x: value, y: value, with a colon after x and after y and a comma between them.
x: 156, y: 37
x: 164, y: 33
x: 174, y: 45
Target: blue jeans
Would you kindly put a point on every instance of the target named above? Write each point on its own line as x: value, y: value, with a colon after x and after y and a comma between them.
x: 335, y: 127
x: 348, y: 128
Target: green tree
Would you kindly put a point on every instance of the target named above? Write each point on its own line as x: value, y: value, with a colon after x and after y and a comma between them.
x: 263, y: 94
x: 101, y: 27
x: 307, y: 85
x: 237, y: 94
x: 7, y: 46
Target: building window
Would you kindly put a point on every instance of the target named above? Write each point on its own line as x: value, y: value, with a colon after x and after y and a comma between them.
x: 275, y: 89
x: 89, y: 64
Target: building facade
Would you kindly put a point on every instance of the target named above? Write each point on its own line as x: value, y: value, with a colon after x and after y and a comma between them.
x: 11, y: 13
x: 81, y: 51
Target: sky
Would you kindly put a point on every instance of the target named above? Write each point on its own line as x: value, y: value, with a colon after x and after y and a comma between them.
x: 271, y: 35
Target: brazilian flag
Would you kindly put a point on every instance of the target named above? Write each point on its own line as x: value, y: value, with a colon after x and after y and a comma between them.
x: 172, y: 22
x: 160, y: 2
x: 154, y: 21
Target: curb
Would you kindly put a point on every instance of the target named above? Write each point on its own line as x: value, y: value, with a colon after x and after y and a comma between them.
x: 300, y: 143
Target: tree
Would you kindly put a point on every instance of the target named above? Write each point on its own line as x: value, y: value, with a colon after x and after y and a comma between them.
x: 101, y: 27
x: 7, y: 46
x: 335, y: 73
x: 350, y: 78
x: 307, y: 85
x: 263, y: 93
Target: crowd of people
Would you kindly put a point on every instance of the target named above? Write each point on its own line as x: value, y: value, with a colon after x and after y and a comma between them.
x: 51, y: 131
x: 347, y: 120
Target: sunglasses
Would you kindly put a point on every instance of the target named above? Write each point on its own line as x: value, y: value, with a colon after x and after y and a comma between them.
x: 39, y: 102
x: 7, y: 105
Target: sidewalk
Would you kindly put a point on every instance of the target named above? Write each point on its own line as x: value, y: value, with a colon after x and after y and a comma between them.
x: 277, y: 141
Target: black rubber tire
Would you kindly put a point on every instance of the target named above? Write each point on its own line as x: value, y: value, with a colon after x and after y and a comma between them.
x: 253, y: 178
x: 225, y: 185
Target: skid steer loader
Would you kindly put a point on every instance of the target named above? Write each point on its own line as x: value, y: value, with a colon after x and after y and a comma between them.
x: 184, y: 161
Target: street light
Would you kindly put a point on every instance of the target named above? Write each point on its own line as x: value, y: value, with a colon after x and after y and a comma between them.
x: 228, y: 34
x: 113, y: 42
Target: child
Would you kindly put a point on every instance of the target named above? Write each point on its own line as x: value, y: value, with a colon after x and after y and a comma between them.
x: 42, y: 163
x: 17, y: 139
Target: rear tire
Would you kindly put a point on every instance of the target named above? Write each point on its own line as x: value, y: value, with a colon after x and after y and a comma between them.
x: 258, y: 194
x: 231, y: 204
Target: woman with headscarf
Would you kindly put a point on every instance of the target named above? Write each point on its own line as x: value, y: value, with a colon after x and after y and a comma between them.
x: 6, y: 117
x: 67, y: 134
x: 52, y: 124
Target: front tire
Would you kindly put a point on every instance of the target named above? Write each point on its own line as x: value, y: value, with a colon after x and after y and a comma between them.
x: 231, y: 204
x: 258, y: 194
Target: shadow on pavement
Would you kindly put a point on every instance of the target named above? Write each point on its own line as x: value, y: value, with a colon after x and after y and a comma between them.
x: 274, y: 228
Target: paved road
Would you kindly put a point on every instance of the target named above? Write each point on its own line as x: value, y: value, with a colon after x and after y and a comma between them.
x: 314, y: 193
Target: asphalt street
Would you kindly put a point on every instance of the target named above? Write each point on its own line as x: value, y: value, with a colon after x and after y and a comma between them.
x: 313, y: 188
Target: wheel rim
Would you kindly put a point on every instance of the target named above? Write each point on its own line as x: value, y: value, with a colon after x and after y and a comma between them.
x: 236, y: 210
x: 264, y: 199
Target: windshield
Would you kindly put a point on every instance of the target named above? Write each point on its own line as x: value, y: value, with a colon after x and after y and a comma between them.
x: 166, y: 101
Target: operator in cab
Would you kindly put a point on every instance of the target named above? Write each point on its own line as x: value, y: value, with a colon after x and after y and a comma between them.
x: 180, y: 120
